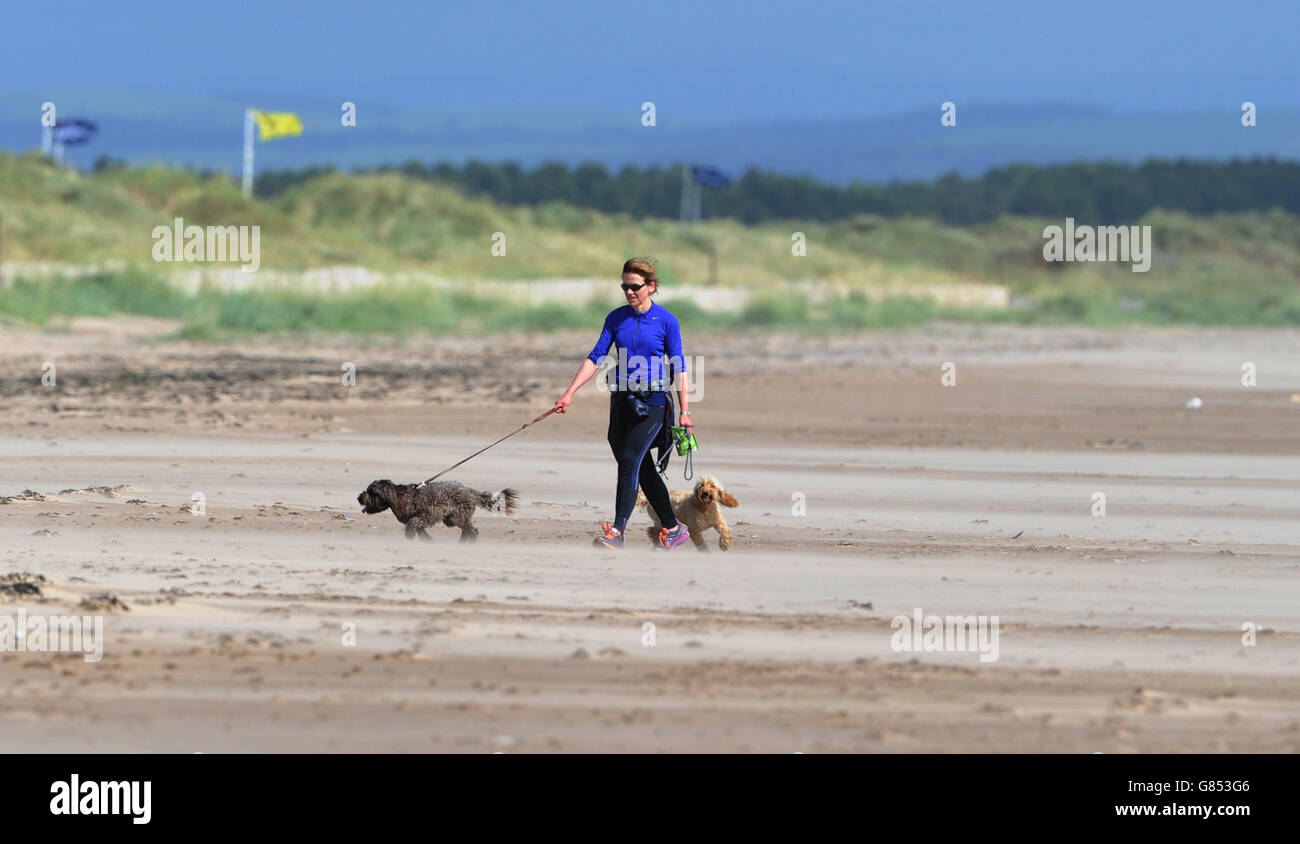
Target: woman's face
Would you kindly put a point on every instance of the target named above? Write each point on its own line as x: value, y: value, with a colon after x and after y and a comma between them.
x: 637, y: 298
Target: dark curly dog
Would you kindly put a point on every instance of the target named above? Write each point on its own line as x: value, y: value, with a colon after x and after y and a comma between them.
x: 420, y: 506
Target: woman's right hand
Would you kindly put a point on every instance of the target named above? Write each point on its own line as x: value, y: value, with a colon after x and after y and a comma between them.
x: 563, y: 402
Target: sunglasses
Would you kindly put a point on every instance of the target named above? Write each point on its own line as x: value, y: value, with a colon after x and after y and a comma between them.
x: 633, y: 287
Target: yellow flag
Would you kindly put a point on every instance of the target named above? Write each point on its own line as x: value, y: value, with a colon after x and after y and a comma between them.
x: 276, y: 124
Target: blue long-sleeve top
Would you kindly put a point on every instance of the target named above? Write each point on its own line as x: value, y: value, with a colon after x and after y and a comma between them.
x: 647, y: 339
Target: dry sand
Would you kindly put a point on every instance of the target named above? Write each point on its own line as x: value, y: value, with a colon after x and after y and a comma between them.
x: 1118, y: 633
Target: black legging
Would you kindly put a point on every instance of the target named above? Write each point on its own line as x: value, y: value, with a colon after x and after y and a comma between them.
x: 630, y: 437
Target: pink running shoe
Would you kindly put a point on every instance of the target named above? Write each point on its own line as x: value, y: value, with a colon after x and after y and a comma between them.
x: 670, y: 539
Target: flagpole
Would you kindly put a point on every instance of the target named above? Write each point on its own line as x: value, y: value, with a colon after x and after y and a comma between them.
x: 686, y: 187
x: 248, y: 153
x: 690, y: 196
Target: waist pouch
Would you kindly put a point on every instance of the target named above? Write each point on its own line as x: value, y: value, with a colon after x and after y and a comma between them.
x: 640, y: 399
x: 640, y: 402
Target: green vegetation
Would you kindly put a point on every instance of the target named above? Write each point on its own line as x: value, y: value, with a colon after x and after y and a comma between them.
x: 391, y: 309
x: 413, y: 308
x: 1225, y: 268
x: 1100, y: 193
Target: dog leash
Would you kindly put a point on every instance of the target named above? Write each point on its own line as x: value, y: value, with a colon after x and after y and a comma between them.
x: 486, y: 447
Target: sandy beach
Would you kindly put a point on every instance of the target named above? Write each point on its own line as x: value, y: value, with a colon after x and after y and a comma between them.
x: 867, y: 490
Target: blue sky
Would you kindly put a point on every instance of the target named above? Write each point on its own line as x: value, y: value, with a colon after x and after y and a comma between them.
x: 713, y: 61
x: 840, y: 91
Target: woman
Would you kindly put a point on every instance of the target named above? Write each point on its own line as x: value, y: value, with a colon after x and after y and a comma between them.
x: 640, y: 407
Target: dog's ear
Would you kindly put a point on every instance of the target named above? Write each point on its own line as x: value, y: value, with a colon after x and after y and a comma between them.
x: 726, y: 499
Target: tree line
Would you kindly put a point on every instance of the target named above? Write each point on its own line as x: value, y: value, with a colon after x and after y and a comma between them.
x: 1097, y: 192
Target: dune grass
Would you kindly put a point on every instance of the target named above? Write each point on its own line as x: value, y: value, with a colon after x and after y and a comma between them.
x: 399, y: 310
x: 1230, y: 269
x: 402, y: 309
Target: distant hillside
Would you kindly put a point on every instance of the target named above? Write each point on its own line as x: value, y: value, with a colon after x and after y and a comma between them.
x: 207, y: 131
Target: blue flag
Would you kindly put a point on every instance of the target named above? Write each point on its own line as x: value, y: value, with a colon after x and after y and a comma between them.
x: 73, y: 132
x: 710, y: 177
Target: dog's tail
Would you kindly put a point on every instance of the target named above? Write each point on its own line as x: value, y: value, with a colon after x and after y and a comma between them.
x: 641, y: 501
x: 503, y: 501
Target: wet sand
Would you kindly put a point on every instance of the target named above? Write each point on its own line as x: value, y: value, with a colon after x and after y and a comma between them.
x: 1118, y: 633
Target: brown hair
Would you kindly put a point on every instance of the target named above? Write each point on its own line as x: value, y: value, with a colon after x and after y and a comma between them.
x: 644, y: 267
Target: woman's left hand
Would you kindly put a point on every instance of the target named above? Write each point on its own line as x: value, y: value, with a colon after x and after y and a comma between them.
x: 686, y: 420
